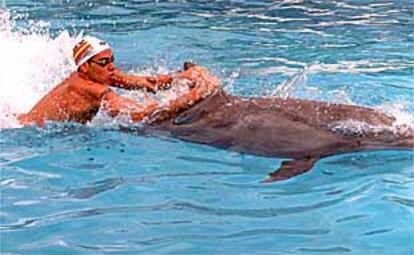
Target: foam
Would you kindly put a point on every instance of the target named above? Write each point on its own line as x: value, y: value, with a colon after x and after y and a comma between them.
x: 399, y: 111
x: 402, y: 126
x: 33, y: 62
x: 285, y: 89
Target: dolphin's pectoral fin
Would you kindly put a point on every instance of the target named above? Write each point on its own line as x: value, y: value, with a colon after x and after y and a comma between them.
x: 292, y: 168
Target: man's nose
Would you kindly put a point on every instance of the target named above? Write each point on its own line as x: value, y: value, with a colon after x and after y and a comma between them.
x: 111, y: 67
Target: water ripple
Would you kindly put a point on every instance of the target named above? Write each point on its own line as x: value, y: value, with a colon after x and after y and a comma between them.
x: 251, y: 213
x: 209, y: 160
x: 329, y: 250
x: 240, y: 234
x: 54, y: 218
x: 351, y: 218
x: 186, y: 207
x: 94, y: 189
x: 400, y: 200
x: 379, y: 231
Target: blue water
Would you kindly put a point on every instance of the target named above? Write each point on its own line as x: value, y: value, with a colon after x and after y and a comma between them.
x: 73, y: 189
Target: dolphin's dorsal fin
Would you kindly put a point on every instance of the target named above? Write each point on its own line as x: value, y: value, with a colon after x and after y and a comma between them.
x: 292, y: 168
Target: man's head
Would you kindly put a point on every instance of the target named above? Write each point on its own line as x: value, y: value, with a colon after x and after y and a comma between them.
x: 94, y: 59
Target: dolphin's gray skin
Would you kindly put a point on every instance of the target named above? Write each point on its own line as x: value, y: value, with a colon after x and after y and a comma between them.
x: 303, y: 130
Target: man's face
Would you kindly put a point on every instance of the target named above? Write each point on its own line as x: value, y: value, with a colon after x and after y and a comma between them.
x: 101, y: 67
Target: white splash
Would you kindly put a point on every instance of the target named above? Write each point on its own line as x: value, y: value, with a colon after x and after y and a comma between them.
x: 399, y: 111
x: 347, y: 67
x: 286, y: 88
x: 402, y: 126
x: 359, y: 128
x: 33, y: 62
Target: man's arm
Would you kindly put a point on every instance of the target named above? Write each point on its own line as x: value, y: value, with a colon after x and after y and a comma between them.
x: 133, y: 82
x: 203, y: 84
x: 115, y: 104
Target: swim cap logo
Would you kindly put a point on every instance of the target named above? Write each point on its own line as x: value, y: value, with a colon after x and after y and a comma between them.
x: 80, y: 50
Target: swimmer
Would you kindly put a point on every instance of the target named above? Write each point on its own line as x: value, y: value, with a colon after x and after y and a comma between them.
x: 80, y: 96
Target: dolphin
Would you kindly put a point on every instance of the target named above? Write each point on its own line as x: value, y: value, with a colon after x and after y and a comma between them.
x: 304, y: 131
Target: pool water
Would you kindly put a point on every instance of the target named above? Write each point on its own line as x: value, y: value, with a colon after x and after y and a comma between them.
x: 93, y: 189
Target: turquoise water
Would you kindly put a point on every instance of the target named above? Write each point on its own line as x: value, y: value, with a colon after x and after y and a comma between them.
x: 72, y: 189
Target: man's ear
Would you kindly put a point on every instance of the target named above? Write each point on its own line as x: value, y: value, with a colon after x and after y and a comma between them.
x: 84, y: 67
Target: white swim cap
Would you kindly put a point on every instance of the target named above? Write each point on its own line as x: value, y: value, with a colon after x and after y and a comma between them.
x: 87, y: 48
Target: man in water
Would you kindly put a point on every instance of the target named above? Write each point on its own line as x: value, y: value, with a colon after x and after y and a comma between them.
x: 80, y: 96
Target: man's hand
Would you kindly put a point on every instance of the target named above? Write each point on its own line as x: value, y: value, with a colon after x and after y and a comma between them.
x: 161, y: 81
x: 201, y: 80
x: 202, y: 84
x: 132, y: 82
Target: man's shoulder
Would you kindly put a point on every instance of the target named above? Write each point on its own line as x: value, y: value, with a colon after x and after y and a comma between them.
x: 75, y: 81
x: 82, y: 86
x: 72, y: 80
